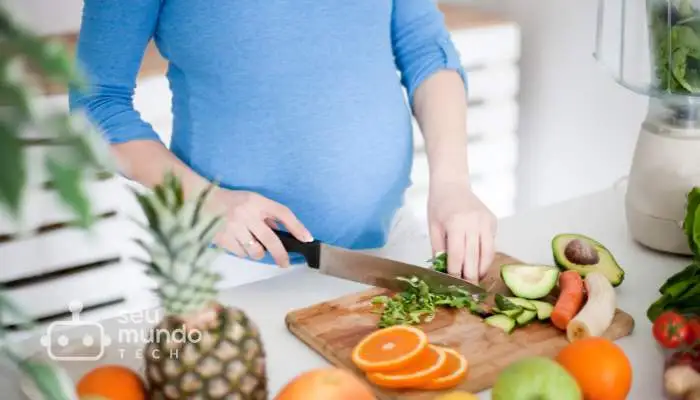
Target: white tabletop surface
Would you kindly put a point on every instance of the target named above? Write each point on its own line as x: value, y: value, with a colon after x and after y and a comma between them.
x: 526, y: 236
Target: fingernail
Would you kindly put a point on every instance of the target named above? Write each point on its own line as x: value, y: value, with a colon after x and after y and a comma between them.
x: 308, y: 238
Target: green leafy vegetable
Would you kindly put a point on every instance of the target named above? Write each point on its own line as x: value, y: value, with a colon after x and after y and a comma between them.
x: 439, y: 262
x: 418, y: 304
x: 691, y: 223
x: 681, y: 291
x: 675, y: 36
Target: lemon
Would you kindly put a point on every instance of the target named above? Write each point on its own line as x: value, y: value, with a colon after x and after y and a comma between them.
x: 457, y: 396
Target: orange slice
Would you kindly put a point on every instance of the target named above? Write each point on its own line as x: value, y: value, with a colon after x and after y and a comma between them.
x: 426, y: 366
x: 389, y: 348
x: 452, y: 373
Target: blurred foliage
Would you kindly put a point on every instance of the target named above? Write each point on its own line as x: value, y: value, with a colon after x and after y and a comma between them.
x: 70, y: 147
x: 71, y: 150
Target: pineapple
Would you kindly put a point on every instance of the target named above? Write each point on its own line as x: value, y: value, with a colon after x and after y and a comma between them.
x: 200, y: 349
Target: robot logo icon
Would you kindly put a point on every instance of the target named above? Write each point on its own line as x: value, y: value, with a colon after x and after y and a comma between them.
x: 75, y: 340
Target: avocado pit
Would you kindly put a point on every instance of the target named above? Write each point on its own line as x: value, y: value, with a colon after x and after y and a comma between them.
x: 581, y: 253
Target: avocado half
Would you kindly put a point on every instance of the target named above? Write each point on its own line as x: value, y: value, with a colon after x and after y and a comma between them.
x: 583, y: 254
x: 529, y: 281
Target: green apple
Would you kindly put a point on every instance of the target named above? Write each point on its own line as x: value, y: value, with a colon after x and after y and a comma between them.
x: 535, y: 378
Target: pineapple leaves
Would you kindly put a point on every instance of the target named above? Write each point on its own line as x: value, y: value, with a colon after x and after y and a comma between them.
x: 143, y: 245
x: 210, y: 229
x: 179, y: 193
x: 181, y: 251
x: 199, y: 206
x: 160, y: 194
x: 149, y: 210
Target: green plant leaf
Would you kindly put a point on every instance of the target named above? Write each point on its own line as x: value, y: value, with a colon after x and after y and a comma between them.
x: 50, y: 379
x: 67, y: 179
x: 690, y: 223
x: 13, y: 173
x: 78, y: 139
x: 15, y: 97
x: 695, y: 237
x: 9, y: 307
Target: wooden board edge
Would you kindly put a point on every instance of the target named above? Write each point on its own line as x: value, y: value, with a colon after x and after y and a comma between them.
x: 303, y: 335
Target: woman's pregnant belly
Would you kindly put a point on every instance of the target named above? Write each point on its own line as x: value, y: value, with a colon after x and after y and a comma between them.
x: 338, y: 154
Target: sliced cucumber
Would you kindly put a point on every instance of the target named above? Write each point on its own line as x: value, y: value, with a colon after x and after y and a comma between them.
x: 513, y: 312
x: 544, y: 309
x: 504, y: 304
x: 526, y: 304
x: 525, y: 317
x: 500, y: 321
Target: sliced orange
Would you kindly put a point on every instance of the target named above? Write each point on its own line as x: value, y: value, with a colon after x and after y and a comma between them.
x: 451, y: 374
x: 423, y: 369
x: 389, y: 348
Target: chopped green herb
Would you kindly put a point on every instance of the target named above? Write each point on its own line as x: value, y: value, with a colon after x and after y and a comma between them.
x: 439, y: 262
x: 417, y: 304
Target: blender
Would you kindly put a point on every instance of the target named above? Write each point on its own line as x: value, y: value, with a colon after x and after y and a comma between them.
x: 652, y: 47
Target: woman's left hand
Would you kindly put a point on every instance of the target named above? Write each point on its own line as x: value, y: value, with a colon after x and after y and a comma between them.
x: 463, y: 227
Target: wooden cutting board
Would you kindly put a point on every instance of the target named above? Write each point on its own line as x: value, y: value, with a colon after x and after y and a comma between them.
x: 334, y: 327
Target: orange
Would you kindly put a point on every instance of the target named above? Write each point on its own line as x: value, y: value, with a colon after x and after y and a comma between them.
x: 113, y: 382
x: 451, y: 374
x: 389, y: 348
x: 600, y: 367
x: 324, y: 384
x: 423, y: 369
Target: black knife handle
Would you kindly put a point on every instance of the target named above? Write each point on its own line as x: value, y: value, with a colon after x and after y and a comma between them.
x: 310, y: 250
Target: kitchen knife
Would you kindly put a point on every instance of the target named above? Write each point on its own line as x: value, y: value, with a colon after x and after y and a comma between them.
x: 370, y: 270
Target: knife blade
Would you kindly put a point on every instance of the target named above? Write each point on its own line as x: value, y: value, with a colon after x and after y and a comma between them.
x: 371, y: 270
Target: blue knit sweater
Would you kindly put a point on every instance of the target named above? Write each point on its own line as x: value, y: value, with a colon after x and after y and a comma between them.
x: 299, y: 100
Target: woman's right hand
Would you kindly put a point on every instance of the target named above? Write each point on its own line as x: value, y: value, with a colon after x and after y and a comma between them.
x: 249, y: 220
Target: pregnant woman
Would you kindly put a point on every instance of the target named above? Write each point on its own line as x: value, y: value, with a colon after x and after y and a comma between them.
x: 296, y: 110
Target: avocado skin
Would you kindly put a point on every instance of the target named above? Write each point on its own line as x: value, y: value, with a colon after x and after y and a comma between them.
x: 607, y: 264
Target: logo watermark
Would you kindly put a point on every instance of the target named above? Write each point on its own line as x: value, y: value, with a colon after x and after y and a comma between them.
x: 79, y: 340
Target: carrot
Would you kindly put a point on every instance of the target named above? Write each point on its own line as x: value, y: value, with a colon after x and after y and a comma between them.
x: 570, y: 299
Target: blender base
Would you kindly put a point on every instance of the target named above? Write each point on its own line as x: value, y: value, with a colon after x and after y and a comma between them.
x: 665, y: 167
x: 656, y: 233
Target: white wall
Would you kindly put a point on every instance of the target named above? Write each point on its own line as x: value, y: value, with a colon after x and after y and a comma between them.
x: 577, y: 128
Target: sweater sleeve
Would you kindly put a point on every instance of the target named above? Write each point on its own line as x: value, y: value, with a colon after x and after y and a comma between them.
x: 111, y: 45
x: 421, y: 43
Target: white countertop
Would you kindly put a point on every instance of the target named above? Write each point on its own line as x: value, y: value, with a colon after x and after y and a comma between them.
x: 526, y: 236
